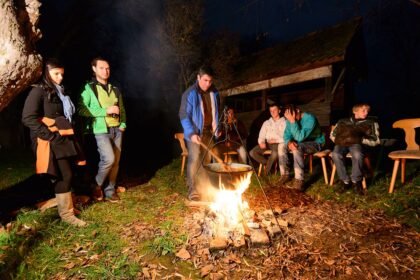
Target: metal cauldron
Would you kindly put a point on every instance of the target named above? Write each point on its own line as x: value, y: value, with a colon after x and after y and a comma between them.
x: 227, y: 175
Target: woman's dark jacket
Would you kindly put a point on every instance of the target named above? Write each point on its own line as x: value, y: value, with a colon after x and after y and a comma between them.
x: 42, y: 111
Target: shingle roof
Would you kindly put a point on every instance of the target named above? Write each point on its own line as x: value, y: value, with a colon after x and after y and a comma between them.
x: 313, y: 50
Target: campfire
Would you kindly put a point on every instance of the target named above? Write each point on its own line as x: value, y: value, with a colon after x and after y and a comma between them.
x: 228, y: 218
x: 229, y: 210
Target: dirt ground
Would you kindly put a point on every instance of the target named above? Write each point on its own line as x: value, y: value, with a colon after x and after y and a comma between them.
x: 324, y: 240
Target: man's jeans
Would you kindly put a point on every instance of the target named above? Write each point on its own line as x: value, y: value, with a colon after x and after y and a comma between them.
x: 195, y: 158
x: 298, y: 162
x: 283, y: 159
x: 258, y: 154
x: 109, y: 148
x: 357, y: 156
x: 242, y: 154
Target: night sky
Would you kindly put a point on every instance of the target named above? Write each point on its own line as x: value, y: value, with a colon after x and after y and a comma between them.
x: 130, y: 34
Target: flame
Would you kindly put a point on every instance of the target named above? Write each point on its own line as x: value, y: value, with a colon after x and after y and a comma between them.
x: 229, y: 207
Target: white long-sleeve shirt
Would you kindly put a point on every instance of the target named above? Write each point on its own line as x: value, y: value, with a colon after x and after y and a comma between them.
x: 272, y: 130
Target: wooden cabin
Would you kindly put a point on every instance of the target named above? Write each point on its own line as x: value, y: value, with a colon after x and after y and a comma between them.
x: 312, y: 71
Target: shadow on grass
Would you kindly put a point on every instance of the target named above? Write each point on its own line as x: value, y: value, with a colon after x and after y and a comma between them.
x: 25, y: 193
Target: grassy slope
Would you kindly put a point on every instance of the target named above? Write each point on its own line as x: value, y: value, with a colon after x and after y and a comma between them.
x: 403, y: 204
x: 39, y: 246
x: 15, y: 167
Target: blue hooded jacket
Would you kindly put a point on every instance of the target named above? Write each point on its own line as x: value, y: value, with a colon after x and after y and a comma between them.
x: 191, y: 111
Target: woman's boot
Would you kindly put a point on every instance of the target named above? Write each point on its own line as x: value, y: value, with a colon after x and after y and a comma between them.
x: 65, y: 209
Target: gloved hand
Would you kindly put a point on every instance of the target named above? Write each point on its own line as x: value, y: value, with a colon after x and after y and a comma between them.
x: 56, y: 139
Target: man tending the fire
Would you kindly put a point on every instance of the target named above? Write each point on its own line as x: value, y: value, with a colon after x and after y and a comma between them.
x: 199, y: 118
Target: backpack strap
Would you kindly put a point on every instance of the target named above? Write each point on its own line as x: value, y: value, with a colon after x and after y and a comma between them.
x: 93, y: 84
x: 93, y: 88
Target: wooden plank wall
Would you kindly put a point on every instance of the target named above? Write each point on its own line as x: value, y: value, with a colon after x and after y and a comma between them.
x: 319, y: 107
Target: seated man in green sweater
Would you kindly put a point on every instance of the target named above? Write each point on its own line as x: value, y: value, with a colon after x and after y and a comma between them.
x: 302, y: 136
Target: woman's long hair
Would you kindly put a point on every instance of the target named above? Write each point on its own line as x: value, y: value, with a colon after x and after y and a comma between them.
x: 47, y: 82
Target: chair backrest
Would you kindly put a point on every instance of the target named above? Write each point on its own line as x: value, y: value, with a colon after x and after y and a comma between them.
x: 409, y: 126
x: 180, y: 137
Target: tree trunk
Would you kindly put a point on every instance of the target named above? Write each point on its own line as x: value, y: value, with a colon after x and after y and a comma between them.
x: 20, y: 64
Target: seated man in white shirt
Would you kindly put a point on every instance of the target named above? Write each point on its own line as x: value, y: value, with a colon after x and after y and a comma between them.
x: 271, y: 138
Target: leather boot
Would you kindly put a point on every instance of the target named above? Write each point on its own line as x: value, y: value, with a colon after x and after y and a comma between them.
x: 65, y: 209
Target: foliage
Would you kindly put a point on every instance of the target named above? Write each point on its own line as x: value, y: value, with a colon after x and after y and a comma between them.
x: 184, y: 21
x: 222, y: 54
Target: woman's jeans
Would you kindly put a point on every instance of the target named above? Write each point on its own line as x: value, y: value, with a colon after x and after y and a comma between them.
x: 109, y: 148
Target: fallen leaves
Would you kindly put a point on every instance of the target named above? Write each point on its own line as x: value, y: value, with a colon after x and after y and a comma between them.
x: 183, y: 254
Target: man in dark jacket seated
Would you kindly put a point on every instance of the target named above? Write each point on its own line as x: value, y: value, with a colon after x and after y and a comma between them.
x: 351, y: 135
x: 233, y: 136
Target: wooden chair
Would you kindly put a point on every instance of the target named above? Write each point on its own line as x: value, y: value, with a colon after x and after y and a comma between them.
x: 227, y: 155
x: 322, y: 155
x: 267, y: 153
x: 411, y: 152
x: 184, y: 153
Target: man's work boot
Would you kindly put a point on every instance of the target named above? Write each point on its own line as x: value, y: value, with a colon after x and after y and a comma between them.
x: 295, y: 184
x: 65, y: 209
x: 194, y: 196
x: 113, y: 198
x: 97, y: 194
x: 358, y: 187
x: 342, y: 186
x: 283, y: 179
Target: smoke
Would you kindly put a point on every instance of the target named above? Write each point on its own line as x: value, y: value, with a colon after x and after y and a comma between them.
x: 130, y: 34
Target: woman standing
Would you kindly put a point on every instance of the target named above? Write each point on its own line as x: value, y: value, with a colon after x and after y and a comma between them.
x: 48, y: 114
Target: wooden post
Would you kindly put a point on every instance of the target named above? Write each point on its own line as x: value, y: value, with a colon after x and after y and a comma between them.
x: 328, y: 87
x: 263, y: 99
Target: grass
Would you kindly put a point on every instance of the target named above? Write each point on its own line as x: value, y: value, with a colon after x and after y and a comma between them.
x: 40, y: 246
x: 15, y: 167
x: 403, y: 204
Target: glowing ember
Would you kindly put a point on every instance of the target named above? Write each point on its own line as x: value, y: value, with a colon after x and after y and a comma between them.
x: 229, y: 208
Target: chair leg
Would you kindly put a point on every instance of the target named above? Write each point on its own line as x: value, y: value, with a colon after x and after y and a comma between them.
x: 368, y: 166
x: 310, y: 163
x: 334, y: 169
x: 331, y: 162
x: 403, y: 171
x: 364, y: 183
x: 324, y: 170
x: 259, y: 170
x: 394, y: 175
x: 226, y: 158
x: 183, y: 165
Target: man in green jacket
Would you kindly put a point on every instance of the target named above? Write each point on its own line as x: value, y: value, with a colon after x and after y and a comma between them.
x: 103, y: 104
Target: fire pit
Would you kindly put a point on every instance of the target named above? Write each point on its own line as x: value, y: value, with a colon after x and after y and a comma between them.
x: 228, y: 219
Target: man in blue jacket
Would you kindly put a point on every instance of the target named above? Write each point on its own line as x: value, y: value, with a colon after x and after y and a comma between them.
x: 302, y: 136
x: 199, y: 118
